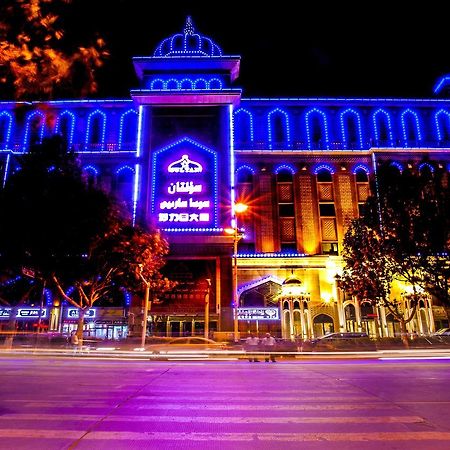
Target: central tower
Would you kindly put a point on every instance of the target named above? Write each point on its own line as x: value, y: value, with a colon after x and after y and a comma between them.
x: 185, y: 162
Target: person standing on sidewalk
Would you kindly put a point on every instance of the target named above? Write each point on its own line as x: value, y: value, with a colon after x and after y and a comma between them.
x: 251, y: 347
x: 268, y: 344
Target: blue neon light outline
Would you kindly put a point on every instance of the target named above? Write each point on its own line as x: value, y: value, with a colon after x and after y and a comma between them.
x: 8, y: 129
x: 91, y: 168
x: 137, y: 174
x: 286, y: 128
x: 246, y: 167
x: 361, y: 167
x: 197, y: 81
x: 425, y: 164
x: 215, y: 80
x: 97, y: 112
x: 351, y: 111
x: 122, y: 124
x: 387, y: 117
x: 440, y: 83
x: 215, y: 174
x: 122, y: 168
x: 439, y: 133
x: 27, y: 128
x: 172, y: 80
x: 322, y: 166
x: 188, y: 81
x: 397, y: 165
x: 287, y: 167
x: 324, y: 128
x: 250, y: 121
x: 233, y: 219
x: 417, y: 133
x: 72, y: 125
x: 5, y: 175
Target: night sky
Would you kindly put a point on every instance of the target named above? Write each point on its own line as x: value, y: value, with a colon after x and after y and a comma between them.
x: 293, y: 49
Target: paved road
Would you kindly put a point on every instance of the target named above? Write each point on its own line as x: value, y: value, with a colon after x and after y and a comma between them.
x: 81, y: 403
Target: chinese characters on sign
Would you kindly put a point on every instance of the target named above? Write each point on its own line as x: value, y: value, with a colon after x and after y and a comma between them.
x: 258, y: 314
x: 24, y: 313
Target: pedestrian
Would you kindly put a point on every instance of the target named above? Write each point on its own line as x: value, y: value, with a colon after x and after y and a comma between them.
x: 252, y: 346
x: 268, y: 344
x: 74, y: 341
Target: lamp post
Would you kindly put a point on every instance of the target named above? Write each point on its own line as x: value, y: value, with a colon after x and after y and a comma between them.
x: 146, y: 306
x: 238, y: 208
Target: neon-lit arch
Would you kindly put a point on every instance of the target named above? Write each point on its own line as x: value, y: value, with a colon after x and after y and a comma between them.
x: 397, y: 165
x: 172, y: 84
x: 381, y: 117
x: 200, y: 83
x: 426, y: 165
x: 351, y: 114
x: 281, y: 167
x: 215, y: 83
x: 243, y: 125
x: 320, y: 167
x: 101, y: 117
x: 91, y: 170
x: 6, y: 121
x: 244, y: 174
x: 246, y: 167
x: 70, y: 127
x: 362, y: 167
x: 284, y: 131
x: 124, y: 130
x: 442, y: 125
x: 29, y: 131
x: 186, y: 84
x: 309, y: 116
x: 126, y: 168
x: 409, y: 113
x: 157, y: 84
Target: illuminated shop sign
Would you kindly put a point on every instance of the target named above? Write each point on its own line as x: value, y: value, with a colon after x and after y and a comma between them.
x: 258, y: 314
x: 184, y: 190
x: 73, y: 313
x: 24, y: 313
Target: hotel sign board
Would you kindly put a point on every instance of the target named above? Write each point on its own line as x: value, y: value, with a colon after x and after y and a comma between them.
x: 23, y: 313
x: 258, y: 314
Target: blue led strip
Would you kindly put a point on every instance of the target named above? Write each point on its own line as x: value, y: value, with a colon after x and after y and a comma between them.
x: 440, y: 126
x: 246, y: 167
x: 428, y: 165
x: 157, y: 84
x: 122, y: 168
x: 5, y: 116
x: 239, y: 118
x: 281, y: 167
x: 215, y: 175
x: 92, y: 116
x: 286, y: 131
x: 28, y: 130
x: 317, y: 168
x: 215, y: 84
x: 324, y: 129
x: 378, y: 116
x: 233, y: 220
x: 122, y: 124
x: 415, y: 117
x: 397, y: 165
x: 361, y: 167
x: 71, y: 117
x: 351, y: 113
x: 441, y: 83
x: 5, y: 175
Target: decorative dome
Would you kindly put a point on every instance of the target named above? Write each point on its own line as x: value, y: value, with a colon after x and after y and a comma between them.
x: 292, y: 281
x: 188, y: 43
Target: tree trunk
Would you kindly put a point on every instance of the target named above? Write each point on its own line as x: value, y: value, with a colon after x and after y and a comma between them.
x: 404, y: 333
x: 80, y: 327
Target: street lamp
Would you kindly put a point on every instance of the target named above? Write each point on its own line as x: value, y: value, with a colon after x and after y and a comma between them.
x: 146, y: 305
x: 238, y: 209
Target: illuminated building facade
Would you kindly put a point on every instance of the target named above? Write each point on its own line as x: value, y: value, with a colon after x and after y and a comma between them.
x: 187, y: 146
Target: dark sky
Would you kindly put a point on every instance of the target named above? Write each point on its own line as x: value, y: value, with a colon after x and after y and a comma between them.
x: 293, y: 49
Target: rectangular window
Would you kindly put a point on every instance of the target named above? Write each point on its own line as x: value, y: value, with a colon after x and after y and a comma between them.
x: 327, y: 210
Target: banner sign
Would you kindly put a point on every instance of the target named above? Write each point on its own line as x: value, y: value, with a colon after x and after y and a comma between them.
x: 258, y: 314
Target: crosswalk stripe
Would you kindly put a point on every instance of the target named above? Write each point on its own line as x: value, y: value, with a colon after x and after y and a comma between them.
x: 216, y: 419
x: 187, y: 436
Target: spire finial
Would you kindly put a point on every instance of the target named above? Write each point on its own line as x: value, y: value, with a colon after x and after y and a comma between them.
x: 189, y: 27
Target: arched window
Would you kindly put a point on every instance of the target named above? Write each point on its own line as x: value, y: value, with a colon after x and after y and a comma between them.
x: 278, y: 129
x: 91, y: 175
x: 123, y: 186
x: 410, y: 127
x: 172, y: 85
x: 128, y: 130
x: 96, y: 129
x: 34, y: 131
x: 382, y: 129
x: 65, y: 126
x: 5, y: 129
x: 200, y: 83
x: 317, y: 129
x: 243, y: 127
x: 286, y: 208
x: 244, y: 194
x: 351, y: 129
x: 157, y: 84
x: 186, y: 84
x: 442, y: 120
x: 361, y: 173
x: 215, y: 83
